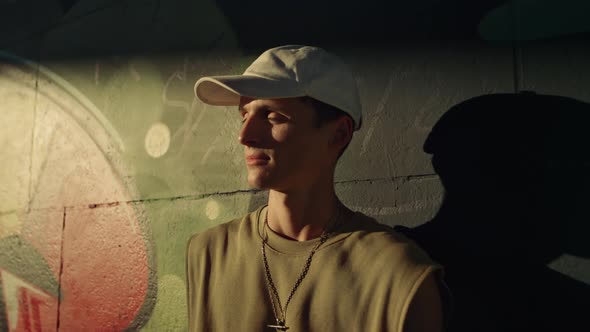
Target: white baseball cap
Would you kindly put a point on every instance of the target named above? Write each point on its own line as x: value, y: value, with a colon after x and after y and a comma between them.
x: 286, y: 72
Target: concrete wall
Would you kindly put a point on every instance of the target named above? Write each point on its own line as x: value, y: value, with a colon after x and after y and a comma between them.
x: 109, y: 162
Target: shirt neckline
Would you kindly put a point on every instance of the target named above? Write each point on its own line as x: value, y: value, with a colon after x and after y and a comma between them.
x: 285, y: 246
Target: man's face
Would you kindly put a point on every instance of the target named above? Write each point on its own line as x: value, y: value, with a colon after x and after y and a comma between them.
x: 283, y: 131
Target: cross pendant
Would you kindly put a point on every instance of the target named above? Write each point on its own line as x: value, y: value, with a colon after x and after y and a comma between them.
x: 280, y: 326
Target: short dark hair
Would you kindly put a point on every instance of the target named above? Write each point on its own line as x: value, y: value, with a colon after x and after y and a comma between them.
x: 326, y: 113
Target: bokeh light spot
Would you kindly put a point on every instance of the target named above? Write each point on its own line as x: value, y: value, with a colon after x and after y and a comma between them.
x: 157, y: 140
x: 212, y: 210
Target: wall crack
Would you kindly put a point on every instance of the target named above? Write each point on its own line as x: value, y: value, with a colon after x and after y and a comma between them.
x: 61, y: 266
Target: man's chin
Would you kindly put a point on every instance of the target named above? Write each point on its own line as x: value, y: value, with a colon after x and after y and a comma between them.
x: 257, y: 183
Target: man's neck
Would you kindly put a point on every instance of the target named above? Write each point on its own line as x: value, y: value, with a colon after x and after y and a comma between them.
x: 302, y: 215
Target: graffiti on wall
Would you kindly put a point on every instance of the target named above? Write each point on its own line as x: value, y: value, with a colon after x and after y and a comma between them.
x: 94, y: 154
x: 67, y: 263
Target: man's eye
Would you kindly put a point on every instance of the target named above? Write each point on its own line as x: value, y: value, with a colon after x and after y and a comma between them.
x: 275, y: 118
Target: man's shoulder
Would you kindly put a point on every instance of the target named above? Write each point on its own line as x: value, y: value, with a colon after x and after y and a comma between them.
x: 373, y: 232
x: 221, y: 233
x: 385, y: 242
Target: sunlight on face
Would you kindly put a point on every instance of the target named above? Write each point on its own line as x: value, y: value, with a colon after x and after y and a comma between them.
x: 283, y: 131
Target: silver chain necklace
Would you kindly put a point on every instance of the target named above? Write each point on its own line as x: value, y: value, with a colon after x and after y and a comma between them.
x: 272, y: 289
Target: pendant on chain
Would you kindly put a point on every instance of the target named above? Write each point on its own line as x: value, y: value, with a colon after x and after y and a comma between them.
x: 280, y: 326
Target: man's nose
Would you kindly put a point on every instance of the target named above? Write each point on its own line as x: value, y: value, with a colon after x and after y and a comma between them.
x: 251, y: 131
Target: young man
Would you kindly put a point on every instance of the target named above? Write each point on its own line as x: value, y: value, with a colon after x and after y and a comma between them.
x: 304, y: 261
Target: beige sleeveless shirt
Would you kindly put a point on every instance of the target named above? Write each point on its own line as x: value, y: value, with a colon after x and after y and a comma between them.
x: 362, y: 279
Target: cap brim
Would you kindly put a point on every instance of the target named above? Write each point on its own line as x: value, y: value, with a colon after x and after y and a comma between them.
x: 226, y: 90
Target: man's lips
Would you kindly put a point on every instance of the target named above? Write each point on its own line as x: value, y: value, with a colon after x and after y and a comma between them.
x: 257, y: 159
x: 258, y: 156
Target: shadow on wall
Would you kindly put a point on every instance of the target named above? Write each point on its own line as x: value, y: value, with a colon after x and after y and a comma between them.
x: 515, y: 171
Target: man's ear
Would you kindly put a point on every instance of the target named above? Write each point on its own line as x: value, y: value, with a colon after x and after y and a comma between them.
x: 344, y: 129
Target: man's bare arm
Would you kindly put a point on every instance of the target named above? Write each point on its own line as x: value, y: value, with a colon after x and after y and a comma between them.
x: 425, y: 312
